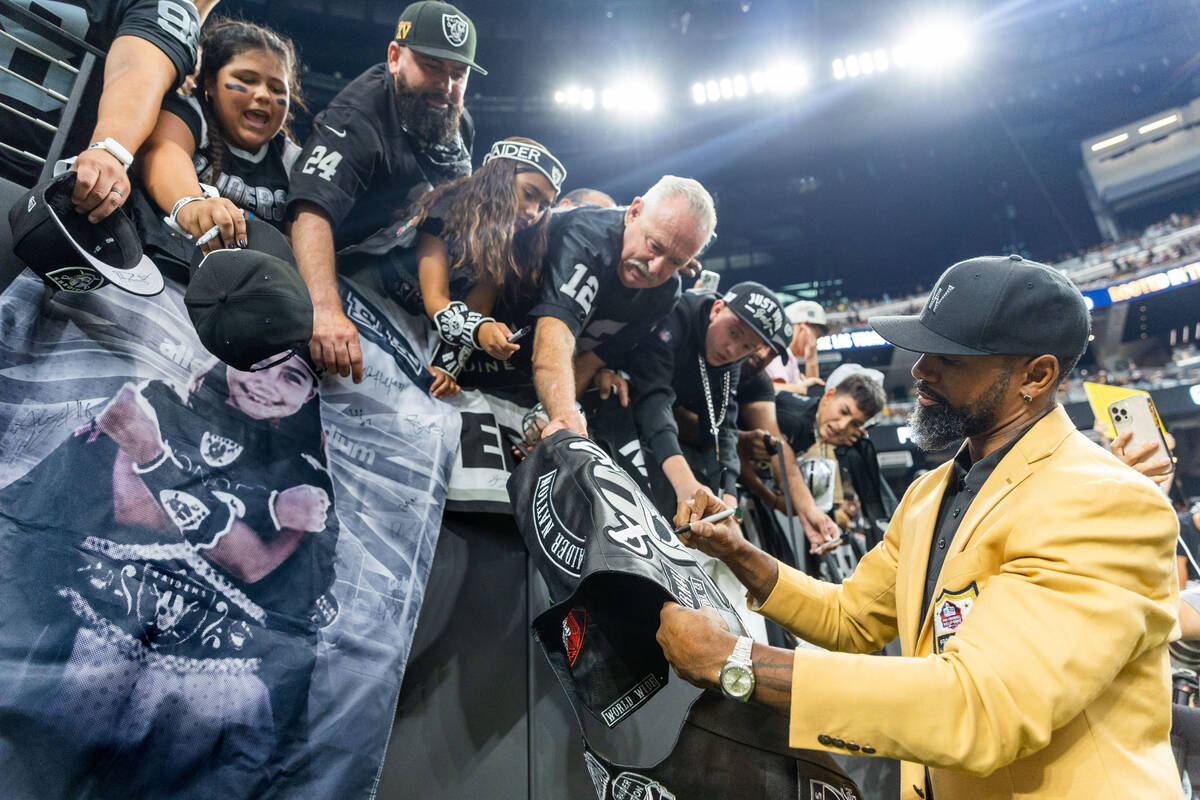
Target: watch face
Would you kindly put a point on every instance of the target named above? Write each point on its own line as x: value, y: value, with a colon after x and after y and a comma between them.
x: 737, y: 681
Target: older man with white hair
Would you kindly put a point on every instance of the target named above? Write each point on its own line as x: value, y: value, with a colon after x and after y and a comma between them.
x: 609, y: 275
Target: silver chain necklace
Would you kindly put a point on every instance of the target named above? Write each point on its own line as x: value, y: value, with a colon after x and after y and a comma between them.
x: 713, y: 420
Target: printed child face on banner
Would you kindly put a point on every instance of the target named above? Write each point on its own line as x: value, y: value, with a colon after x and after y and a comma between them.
x: 272, y: 393
x: 250, y: 98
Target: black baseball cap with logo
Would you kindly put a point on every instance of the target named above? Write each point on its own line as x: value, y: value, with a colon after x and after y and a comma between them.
x: 758, y: 307
x: 995, y: 305
x: 250, y: 304
x: 73, y: 255
x: 439, y: 30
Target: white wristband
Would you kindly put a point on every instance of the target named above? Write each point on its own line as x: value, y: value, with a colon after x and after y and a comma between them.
x: 114, y: 148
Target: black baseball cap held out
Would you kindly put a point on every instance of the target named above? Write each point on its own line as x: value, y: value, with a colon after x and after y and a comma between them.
x: 73, y: 255
x: 439, y: 30
x: 994, y: 305
x: 250, y: 304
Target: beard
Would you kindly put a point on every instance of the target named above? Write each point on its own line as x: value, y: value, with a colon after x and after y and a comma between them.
x: 429, y: 125
x: 937, y: 427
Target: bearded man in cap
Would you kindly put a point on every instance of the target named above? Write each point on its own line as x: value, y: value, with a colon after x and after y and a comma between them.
x: 1031, y: 579
x: 393, y: 133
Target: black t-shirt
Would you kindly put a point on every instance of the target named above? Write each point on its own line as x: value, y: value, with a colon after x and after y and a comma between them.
x: 255, y: 182
x: 755, y: 386
x: 580, y: 284
x: 361, y: 166
x: 664, y: 371
x: 172, y: 26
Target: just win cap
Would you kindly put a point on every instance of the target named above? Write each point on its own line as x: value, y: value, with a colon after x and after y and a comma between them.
x: 994, y: 305
x: 439, y: 30
x: 69, y: 253
x: 758, y: 307
x: 250, y: 304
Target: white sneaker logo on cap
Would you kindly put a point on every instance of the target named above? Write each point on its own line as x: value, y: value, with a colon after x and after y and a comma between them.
x: 455, y: 29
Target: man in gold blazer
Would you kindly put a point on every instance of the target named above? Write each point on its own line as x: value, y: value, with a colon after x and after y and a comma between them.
x: 1031, y: 580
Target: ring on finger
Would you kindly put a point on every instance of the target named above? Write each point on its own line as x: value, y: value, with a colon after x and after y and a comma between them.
x: 117, y: 192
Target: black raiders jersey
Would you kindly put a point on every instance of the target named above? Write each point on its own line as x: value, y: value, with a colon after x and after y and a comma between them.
x: 255, y: 182
x: 361, y: 167
x: 580, y: 284
x: 172, y: 26
x: 664, y: 371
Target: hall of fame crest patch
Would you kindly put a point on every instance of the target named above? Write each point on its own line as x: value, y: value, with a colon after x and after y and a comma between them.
x: 950, y: 609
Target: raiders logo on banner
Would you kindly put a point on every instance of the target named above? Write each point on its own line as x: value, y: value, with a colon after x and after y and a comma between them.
x: 171, y: 608
x: 218, y: 451
x: 185, y: 511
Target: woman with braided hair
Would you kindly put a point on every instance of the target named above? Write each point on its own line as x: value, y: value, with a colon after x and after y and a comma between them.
x: 223, y: 152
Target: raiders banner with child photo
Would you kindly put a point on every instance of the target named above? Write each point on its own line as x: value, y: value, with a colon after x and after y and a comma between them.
x: 210, y: 578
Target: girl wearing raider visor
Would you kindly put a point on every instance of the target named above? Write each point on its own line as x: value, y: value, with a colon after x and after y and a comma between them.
x: 225, y: 151
x: 482, y: 238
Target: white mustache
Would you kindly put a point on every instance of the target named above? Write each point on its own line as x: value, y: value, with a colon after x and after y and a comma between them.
x: 640, y: 266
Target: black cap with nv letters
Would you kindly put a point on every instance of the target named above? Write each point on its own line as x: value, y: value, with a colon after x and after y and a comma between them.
x: 995, y: 305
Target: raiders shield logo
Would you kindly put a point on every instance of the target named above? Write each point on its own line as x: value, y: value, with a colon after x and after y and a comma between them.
x: 185, y: 511
x: 949, y: 611
x: 76, y: 279
x: 455, y: 28
x: 218, y: 451
x: 171, y: 609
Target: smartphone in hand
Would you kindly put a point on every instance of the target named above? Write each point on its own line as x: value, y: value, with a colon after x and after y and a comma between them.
x: 1137, y: 414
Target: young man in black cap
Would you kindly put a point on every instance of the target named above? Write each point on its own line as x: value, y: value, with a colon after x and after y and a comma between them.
x: 393, y: 133
x: 1030, y: 579
x: 693, y: 358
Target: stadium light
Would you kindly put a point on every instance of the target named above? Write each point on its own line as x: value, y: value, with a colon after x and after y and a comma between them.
x: 839, y: 69
x: 1109, y: 142
x: 1158, y: 123
x: 783, y: 77
x: 587, y: 99
x: 936, y: 43
x: 866, y: 63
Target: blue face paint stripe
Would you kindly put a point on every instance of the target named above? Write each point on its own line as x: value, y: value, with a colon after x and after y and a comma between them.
x: 236, y: 87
